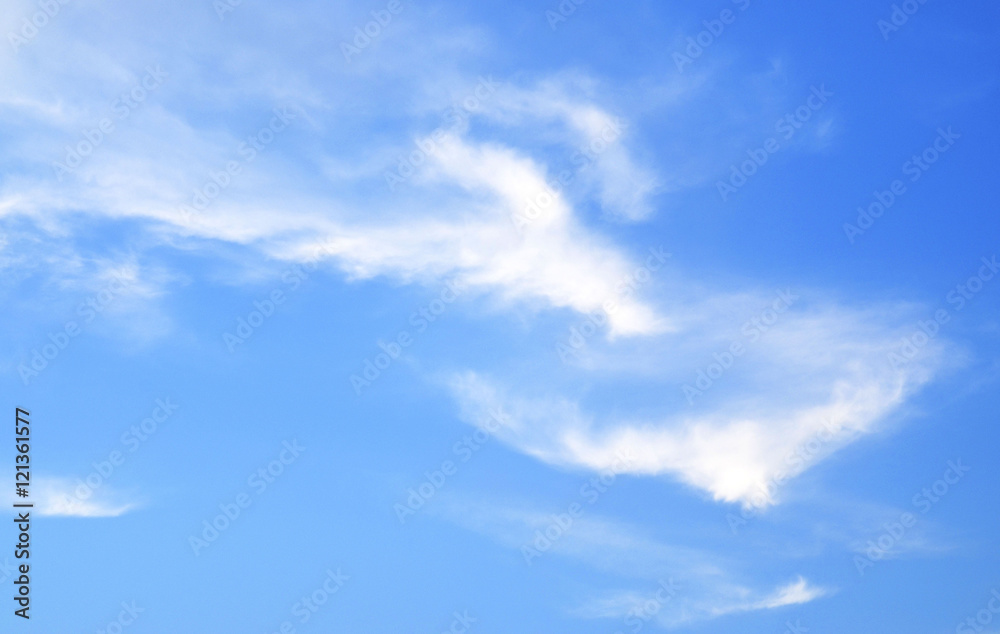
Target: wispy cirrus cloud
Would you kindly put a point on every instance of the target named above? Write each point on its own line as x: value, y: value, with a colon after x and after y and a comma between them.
x: 701, y: 585
x: 454, y: 221
x: 635, y: 605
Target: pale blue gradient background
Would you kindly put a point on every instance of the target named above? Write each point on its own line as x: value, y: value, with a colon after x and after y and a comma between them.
x: 333, y: 507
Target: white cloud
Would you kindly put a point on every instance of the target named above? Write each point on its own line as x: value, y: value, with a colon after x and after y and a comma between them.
x: 58, y: 497
x: 596, y: 140
x: 554, y: 258
x: 454, y: 220
x: 820, y: 369
x: 795, y: 593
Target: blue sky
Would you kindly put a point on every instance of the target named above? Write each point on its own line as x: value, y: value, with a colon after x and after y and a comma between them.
x: 531, y: 317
